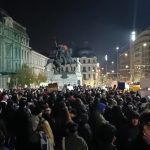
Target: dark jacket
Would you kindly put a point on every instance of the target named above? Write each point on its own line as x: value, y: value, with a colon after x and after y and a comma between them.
x: 75, y: 142
x: 139, y: 144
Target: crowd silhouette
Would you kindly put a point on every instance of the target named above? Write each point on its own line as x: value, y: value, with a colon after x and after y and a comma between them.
x: 80, y: 119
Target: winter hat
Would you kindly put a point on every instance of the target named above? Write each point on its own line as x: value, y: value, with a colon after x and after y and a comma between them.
x: 101, y: 107
x: 145, y: 117
x: 135, y: 115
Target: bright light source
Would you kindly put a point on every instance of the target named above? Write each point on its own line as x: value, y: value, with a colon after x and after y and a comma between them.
x: 133, y: 36
x: 144, y: 44
x: 97, y: 64
x: 127, y: 66
x: 106, y: 57
x: 112, y: 62
x: 117, y: 48
x: 112, y: 71
x: 125, y: 54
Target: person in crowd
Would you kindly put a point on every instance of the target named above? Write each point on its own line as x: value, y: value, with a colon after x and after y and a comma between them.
x: 84, y: 130
x: 23, y: 126
x: 105, y: 137
x: 72, y: 141
x: 142, y: 142
x: 46, y: 133
x: 2, y: 141
x: 133, y: 126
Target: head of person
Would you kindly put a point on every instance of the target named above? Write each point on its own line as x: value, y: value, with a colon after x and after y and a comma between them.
x: 101, y: 107
x: 107, y: 133
x: 135, y: 118
x: 145, y: 126
x: 71, y: 127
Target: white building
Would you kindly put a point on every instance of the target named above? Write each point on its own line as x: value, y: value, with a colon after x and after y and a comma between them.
x: 15, y: 50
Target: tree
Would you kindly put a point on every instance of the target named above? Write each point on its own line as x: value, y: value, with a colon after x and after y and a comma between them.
x: 41, y: 77
x: 24, y: 76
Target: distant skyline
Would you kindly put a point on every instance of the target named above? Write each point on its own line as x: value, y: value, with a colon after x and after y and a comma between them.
x: 104, y: 24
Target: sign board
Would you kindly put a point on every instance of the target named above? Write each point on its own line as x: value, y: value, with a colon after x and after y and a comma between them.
x: 52, y: 87
x: 69, y: 87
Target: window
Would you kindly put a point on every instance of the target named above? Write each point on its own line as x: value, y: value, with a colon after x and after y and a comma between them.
x: 94, y: 61
x: 84, y: 69
x: 84, y: 76
x: 16, y: 52
x: 89, y: 61
x: 89, y: 68
x: 94, y: 77
x: 89, y: 76
x: 16, y: 66
x: 94, y: 69
x: 8, y: 50
x: 84, y: 61
x: 8, y: 64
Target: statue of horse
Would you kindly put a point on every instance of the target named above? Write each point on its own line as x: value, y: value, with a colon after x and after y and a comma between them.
x: 63, y: 57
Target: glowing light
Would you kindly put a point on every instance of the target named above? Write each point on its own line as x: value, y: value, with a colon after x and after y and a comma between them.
x: 145, y: 44
x: 133, y: 36
x: 117, y: 48
x: 106, y: 57
x: 127, y: 66
x: 125, y: 54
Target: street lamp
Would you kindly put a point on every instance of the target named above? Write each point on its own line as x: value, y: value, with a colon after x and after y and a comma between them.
x: 131, y: 53
x: 106, y: 59
x: 144, y: 44
x: 126, y: 54
x: 133, y: 36
x: 117, y: 48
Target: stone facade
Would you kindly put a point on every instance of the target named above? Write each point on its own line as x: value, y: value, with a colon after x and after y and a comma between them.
x: 15, y: 50
x: 89, y: 71
x: 14, y: 46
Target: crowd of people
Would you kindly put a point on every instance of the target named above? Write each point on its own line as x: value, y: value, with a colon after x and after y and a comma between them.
x: 80, y: 119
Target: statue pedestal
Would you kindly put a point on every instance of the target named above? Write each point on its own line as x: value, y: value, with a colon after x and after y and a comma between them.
x: 71, y: 78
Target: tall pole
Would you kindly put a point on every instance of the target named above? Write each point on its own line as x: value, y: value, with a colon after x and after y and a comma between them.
x: 132, y: 40
x: 117, y: 48
x: 106, y: 58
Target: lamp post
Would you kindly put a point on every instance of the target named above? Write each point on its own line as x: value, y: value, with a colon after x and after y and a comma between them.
x: 106, y: 59
x: 132, y: 40
x: 117, y: 48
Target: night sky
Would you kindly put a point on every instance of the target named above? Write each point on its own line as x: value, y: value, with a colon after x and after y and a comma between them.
x: 104, y: 24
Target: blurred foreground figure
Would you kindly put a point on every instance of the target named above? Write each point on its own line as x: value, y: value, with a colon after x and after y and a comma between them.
x: 142, y: 142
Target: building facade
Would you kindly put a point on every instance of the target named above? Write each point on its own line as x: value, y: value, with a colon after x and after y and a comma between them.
x: 15, y: 50
x: 141, y: 56
x: 89, y: 69
x: 124, y: 66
